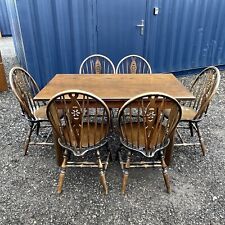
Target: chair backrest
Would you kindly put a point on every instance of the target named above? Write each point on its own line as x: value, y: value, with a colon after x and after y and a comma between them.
x: 133, y: 64
x: 24, y: 88
x: 146, y: 122
x: 204, y: 88
x: 80, y: 119
x: 97, y: 64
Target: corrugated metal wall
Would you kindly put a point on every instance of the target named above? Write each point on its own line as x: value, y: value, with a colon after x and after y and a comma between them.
x: 4, y: 20
x: 58, y: 35
x: 117, y: 33
x: 186, y: 34
x: 16, y: 32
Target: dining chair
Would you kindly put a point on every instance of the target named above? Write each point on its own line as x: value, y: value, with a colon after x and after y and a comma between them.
x: 81, y: 121
x: 133, y: 64
x: 203, y: 88
x: 145, y: 132
x: 97, y: 64
x: 25, y: 88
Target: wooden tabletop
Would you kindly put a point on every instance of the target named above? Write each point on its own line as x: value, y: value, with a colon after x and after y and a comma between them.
x: 114, y: 88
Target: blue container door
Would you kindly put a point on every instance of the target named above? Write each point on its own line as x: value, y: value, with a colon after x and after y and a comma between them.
x: 118, y: 27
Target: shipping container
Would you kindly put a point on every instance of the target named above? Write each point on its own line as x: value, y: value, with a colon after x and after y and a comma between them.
x: 173, y: 35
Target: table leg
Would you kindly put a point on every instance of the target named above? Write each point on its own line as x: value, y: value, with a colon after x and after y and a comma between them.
x: 58, y: 150
x: 169, y: 149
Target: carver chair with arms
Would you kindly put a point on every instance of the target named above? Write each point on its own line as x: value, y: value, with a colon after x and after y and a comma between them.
x: 203, y: 88
x: 25, y: 88
x: 133, y: 64
x: 145, y: 132
x: 81, y: 121
x: 97, y: 64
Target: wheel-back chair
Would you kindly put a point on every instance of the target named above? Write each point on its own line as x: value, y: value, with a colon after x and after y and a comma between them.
x: 146, y: 131
x: 203, y: 88
x: 81, y: 122
x: 25, y: 88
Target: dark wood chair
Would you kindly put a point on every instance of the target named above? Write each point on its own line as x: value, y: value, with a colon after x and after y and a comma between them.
x: 97, y: 64
x: 133, y: 64
x: 25, y: 88
x: 81, y: 122
x: 203, y: 88
x: 146, y: 132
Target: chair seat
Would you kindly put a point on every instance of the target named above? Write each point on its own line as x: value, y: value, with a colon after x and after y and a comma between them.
x: 136, y: 134
x: 90, y: 135
x: 188, y: 113
x: 40, y: 113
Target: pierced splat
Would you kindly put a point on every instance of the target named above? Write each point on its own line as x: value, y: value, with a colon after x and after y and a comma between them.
x: 133, y: 66
x: 75, y: 120
x: 98, y: 66
x: 23, y: 86
x: 153, y: 123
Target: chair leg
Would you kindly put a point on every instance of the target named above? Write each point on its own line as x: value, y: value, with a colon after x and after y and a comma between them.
x: 201, y: 140
x: 61, y: 181
x: 124, y: 181
x: 103, y: 181
x: 110, y: 152
x: 101, y: 173
x: 191, y: 129
x: 38, y: 129
x: 165, y: 174
x: 62, y: 175
x: 28, y: 138
x: 117, y: 157
x: 125, y: 173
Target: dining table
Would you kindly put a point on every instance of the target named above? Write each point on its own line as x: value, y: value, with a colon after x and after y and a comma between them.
x: 115, y: 90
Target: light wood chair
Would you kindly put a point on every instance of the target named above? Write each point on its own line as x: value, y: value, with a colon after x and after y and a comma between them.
x: 81, y: 123
x: 97, y: 64
x: 25, y: 88
x: 133, y: 64
x: 203, y: 88
x: 145, y: 132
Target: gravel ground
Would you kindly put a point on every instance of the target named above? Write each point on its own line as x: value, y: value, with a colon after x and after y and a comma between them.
x: 28, y: 184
